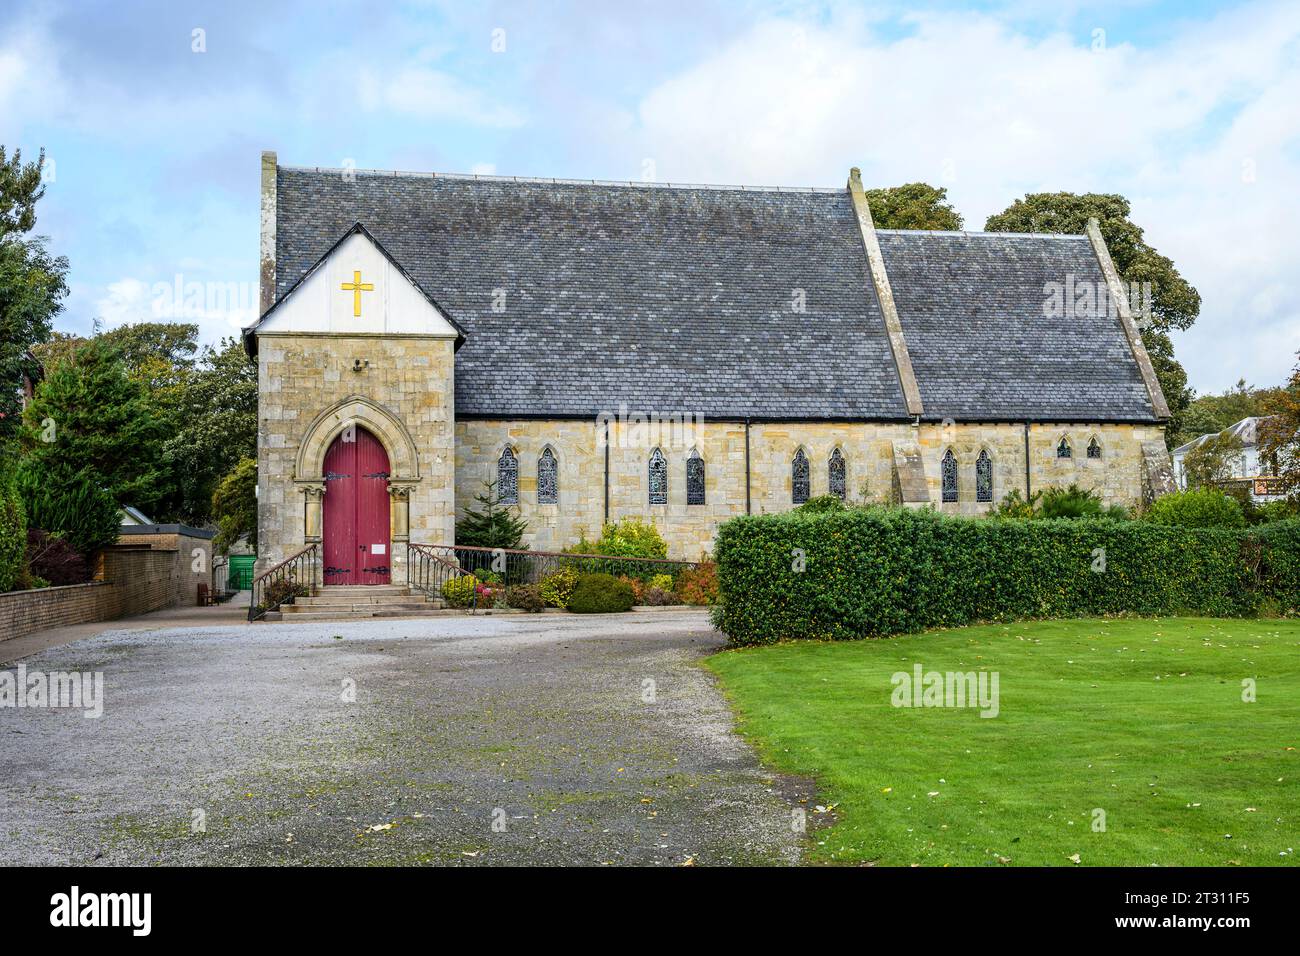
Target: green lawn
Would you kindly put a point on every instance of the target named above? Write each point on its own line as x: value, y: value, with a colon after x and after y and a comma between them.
x: 1143, y: 719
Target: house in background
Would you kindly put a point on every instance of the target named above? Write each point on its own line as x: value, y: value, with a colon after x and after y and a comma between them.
x: 1246, y: 468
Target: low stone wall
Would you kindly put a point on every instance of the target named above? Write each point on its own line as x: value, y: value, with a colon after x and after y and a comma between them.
x: 129, y: 580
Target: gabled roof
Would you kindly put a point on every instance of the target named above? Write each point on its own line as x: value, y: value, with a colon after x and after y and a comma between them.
x: 1247, y: 430
x: 357, y: 228
x: 972, y: 309
x: 688, y: 299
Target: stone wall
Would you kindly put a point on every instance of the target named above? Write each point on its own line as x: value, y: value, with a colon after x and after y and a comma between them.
x: 868, y: 450
x: 309, y: 392
x: 129, y: 580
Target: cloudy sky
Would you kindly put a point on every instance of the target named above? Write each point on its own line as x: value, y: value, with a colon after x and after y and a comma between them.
x: 154, y: 116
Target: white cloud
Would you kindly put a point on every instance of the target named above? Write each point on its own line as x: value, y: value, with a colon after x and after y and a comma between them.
x: 967, y: 103
x: 432, y: 94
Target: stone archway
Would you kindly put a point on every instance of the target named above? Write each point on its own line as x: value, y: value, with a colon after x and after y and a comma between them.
x: 352, y: 412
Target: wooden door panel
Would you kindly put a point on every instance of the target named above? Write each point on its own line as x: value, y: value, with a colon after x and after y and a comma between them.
x: 354, y: 511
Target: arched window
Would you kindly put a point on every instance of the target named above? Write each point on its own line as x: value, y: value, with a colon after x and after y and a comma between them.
x: 835, y: 469
x: 1063, y: 450
x: 948, y: 472
x: 508, y: 477
x: 694, y: 479
x: 658, y: 478
x: 984, y: 477
x: 799, y: 478
x: 1094, y: 450
x: 548, y: 478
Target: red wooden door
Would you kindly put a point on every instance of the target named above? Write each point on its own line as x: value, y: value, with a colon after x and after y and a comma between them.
x: 355, y: 510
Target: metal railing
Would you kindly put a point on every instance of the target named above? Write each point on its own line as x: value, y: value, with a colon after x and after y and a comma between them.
x: 429, y: 569
x: 292, y: 578
x: 510, y: 567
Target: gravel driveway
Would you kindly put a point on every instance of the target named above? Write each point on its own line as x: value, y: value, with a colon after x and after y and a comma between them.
x: 520, y: 739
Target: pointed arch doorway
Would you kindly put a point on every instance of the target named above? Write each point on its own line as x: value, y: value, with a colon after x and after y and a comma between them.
x: 354, y: 511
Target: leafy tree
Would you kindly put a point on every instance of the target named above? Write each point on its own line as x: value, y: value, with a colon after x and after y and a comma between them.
x: 1208, y: 414
x: 1279, y: 433
x: 216, y: 427
x: 234, y: 507
x: 912, y: 206
x: 493, y: 525
x: 1211, y: 460
x: 33, y: 283
x: 1174, y: 302
x: 74, y: 506
x: 89, y: 419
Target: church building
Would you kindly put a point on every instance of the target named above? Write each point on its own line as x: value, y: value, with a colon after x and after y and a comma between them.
x: 681, y: 354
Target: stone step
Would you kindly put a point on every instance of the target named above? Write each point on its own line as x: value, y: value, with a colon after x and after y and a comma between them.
x: 325, y: 600
x: 364, y: 589
x: 366, y: 607
x: 425, y: 610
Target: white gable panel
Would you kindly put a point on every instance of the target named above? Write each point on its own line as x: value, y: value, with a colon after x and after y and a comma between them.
x: 392, y: 305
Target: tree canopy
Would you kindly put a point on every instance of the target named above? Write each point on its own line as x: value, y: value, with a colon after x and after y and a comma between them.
x: 33, y: 283
x: 912, y: 206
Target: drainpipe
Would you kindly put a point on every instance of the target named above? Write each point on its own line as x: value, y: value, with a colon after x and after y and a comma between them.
x: 1027, y: 461
x: 606, y: 473
x: 747, y: 500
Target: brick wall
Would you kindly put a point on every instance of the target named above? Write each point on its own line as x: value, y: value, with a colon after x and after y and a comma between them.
x: 129, y: 580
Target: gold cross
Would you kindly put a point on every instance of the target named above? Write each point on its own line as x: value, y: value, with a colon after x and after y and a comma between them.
x: 356, y: 287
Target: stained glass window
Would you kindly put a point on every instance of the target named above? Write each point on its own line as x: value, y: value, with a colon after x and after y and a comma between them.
x: 949, y: 474
x: 508, y: 477
x: 548, y: 479
x: 694, y: 479
x: 799, y: 478
x: 835, y: 468
x: 983, y: 477
x: 658, y: 478
x: 1094, y: 450
x: 1063, y: 450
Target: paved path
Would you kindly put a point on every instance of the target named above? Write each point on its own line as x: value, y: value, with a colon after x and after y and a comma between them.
x: 484, y: 740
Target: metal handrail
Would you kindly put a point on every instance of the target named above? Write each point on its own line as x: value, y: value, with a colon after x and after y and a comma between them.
x: 296, y: 576
x: 428, y: 572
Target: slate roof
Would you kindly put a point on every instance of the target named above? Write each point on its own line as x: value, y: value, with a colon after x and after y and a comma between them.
x: 679, y: 299
x: 972, y: 309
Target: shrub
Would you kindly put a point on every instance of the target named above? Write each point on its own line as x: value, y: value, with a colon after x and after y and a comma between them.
x: 460, y: 590
x: 631, y: 538
x: 1071, y: 502
x: 822, y: 503
x: 1014, y: 505
x: 50, y: 557
x: 556, y: 588
x: 638, y: 588
x: 13, y: 532
x: 698, y: 585
x: 600, y: 594
x: 872, y: 573
x: 283, y: 590
x: 664, y: 582
x: 525, y: 597
x: 658, y: 597
x: 1197, y: 508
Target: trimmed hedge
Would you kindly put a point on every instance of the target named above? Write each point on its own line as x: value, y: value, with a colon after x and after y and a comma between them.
x: 600, y: 594
x: 890, y: 571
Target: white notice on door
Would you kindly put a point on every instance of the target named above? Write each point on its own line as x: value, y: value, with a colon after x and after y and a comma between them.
x: 378, y: 548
